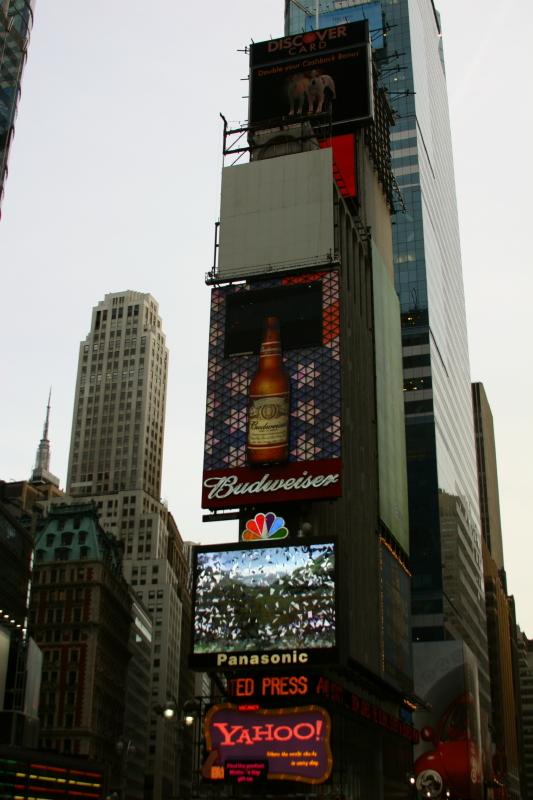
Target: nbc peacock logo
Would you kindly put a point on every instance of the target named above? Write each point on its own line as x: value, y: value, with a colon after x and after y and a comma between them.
x: 265, y: 527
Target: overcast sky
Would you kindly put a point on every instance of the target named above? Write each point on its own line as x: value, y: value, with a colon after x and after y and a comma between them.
x: 114, y: 184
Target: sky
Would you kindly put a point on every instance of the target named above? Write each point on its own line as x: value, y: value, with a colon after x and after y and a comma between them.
x: 114, y: 184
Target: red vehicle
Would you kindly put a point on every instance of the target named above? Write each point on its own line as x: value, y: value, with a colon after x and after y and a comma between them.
x: 453, y: 767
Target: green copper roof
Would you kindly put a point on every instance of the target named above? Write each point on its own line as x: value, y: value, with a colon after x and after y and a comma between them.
x: 73, y: 533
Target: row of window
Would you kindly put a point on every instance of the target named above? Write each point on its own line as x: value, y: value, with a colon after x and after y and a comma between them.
x: 67, y: 537
x: 64, y: 554
x: 60, y: 575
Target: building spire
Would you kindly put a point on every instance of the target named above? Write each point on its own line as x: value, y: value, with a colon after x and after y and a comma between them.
x: 41, y: 472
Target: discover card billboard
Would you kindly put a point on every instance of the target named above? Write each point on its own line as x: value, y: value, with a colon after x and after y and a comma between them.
x: 311, y: 73
x: 263, y: 605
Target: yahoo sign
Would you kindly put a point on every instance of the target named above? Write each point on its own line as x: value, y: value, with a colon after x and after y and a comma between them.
x: 294, y: 742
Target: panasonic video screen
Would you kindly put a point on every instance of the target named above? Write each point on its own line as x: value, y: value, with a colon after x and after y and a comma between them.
x: 264, y: 605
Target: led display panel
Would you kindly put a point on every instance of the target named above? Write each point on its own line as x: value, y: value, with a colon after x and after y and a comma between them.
x: 449, y: 756
x: 291, y: 744
x: 311, y: 73
x: 264, y: 605
x: 273, y: 434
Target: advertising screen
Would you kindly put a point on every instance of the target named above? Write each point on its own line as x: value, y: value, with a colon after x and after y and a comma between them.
x: 263, y: 604
x: 291, y: 743
x: 273, y: 419
x: 449, y: 756
x: 314, y: 72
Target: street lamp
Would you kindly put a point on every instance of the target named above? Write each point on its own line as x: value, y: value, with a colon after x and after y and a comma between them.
x: 182, y: 718
x: 169, y: 710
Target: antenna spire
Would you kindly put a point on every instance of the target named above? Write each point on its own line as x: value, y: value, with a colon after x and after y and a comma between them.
x: 41, y: 472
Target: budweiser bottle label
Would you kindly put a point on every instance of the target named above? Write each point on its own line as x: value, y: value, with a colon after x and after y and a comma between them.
x: 269, y: 420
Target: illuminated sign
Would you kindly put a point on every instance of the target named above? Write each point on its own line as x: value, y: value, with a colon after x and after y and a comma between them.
x: 449, y: 757
x: 264, y: 446
x: 263, y: 604
x: 269, y: 686
x: 327, y: 70
x: 28, y: 779
x: 266, y: 527
x: 294, y: 742
x: 245, y: 771
x: 230, y: 487
x: 316, y: 688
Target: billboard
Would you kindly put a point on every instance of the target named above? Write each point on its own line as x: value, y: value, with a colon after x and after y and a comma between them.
x: 288, y: 744
x: 273, y: 417
x: 263, y: 605
x: 276, y: 214
x: 271, y: 686
x: 314, y: 72
x: 449, y: 756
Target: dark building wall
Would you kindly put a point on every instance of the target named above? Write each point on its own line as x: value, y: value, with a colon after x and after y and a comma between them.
x: 504, y: 707
x: 489, y: 495
x: 81, y: 616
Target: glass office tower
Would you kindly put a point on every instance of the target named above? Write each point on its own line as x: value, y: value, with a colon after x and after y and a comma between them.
x: 448, y: 593
x: 16, y: 18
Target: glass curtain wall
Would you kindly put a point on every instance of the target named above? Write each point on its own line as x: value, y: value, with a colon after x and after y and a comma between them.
x: 447, y: 585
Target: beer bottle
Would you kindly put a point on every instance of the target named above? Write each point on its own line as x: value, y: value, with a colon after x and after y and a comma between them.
x: 268, y: 402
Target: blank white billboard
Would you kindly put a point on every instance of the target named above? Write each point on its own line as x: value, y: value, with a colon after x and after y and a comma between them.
x: 276, y: 214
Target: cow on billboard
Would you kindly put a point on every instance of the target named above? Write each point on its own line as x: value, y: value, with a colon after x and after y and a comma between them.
x: 315, y: 89
x: 327, y: 70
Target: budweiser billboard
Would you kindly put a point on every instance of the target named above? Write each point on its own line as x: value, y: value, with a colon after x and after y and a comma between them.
x: 293, y: 743
x: 273, y: 423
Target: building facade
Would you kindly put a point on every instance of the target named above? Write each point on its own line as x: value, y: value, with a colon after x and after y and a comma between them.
x: 20, y: 660
x: 116, y: 461
x: 119, y: 408
x: 446, y: 558
x: 501, y: 627
x: 525, y: 667
x: 80, y: 615
x: 16, y: 20
x: 489, y: 495
x: 304, y: 275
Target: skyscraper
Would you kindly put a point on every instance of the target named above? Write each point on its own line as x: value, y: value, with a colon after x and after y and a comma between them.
x: 119, y: 411
x: 116, y: 460
x: 489, y: 495
x: 446, y: 560
x: 525, y: 661
x: 16, y: 19
x: 501, y: 626
x: 304, y: 413
x: 41, y: 471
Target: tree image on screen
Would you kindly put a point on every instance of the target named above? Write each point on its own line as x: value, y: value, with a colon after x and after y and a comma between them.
x: 274, y: 598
